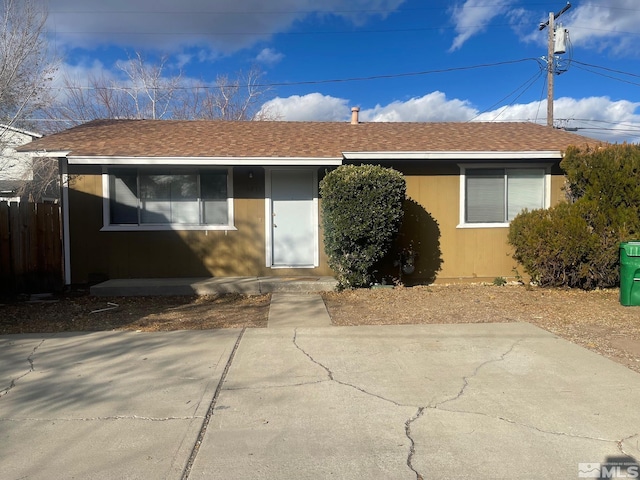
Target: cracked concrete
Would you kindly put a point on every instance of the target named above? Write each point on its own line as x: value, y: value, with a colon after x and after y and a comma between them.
x: 318, y: 422
x: 333, y: 379
x: 476, y: 401
x: 420, y: 412
x: 428, y: 391
x: 7, y: 357
x: 108, y: 404
x: 407, y: 423
x: 465, y: 379
x: 412, y: 445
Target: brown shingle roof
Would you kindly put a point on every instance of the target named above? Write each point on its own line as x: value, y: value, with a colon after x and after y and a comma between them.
x: 173, y: 138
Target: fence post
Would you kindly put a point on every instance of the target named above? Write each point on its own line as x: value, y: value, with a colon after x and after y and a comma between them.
x: 5, y: 249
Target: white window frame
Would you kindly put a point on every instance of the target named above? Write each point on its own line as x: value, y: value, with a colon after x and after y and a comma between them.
x: 473, y: 166
x: 106, y: 205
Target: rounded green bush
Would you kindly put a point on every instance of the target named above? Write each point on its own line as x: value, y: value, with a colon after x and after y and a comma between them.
x: 362, y: 209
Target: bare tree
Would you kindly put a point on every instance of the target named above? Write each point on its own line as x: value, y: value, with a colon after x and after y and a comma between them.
x: 149, y: 90
x: 151, y: 94
x: 143, y: 92
x: 26, y: 68
x: 26, y: 65
x: 237, y: 98
x: 45, y: 182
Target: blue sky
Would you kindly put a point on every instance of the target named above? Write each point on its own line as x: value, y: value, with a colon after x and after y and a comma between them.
x: 417, y: 60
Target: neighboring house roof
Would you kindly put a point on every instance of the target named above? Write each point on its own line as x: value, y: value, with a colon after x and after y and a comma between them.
x: 269, y: 139
x: 7, y: 128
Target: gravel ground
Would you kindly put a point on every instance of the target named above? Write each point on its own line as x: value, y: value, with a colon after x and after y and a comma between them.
x: 594, y: 320
x: 147, y: 314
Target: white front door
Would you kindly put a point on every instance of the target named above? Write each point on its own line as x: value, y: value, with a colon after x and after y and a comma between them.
x: 294, y: 218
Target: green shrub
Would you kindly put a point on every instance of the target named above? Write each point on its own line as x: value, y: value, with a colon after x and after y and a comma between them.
x: 362, y: 209
x: 606, y: 175
x: 554, y: 246
x: 576, y: 244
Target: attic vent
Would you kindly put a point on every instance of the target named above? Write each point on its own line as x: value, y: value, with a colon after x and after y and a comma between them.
x: 354, y: 115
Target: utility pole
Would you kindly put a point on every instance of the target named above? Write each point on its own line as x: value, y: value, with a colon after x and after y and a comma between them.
x: 551, y: 59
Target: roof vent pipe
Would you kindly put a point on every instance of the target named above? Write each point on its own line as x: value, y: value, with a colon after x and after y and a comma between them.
x: 354, y: 115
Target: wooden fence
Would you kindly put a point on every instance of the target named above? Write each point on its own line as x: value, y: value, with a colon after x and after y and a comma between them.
x: 30, y: 248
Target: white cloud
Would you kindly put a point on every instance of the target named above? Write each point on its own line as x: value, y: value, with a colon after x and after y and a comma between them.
x: 596, y: 117
x: 183, y: 59
x: 225, y: 26
x: 312, y: 107
x: 612, y: 26
x: 472, y: 18
x: 434, y: 107
x: 80, y: 73
x: 614, y: 121
x: 81, y: 70
x: 269, y: 56
x: 608, y: 26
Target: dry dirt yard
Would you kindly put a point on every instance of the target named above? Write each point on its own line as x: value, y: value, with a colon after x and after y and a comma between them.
x: 594, y: 320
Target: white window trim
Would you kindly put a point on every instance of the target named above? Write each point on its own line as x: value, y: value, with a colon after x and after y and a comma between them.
x: 463, y: 191
x: 66, y: 232
x: 106, y: 213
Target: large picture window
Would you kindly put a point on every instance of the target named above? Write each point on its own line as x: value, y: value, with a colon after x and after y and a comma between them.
x: 494, y: 196
x: 169, y: 198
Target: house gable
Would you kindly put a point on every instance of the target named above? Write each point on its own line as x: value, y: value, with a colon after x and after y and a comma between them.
x: 15, y: 168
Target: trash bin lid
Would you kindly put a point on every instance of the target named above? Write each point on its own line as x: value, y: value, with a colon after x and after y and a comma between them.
x: 632, y: 249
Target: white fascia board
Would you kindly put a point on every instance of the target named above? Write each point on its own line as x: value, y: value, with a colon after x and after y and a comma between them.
x: 453, y: 155
x: 202, y: 161
x: 46, y: 154
x: 5, y: 127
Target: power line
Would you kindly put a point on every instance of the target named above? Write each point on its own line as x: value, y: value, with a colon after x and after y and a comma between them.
x: 628, y: 125
x: 608, y: 69
x: 605, y: 75
x: 524, y: 87
x: 315, y: 82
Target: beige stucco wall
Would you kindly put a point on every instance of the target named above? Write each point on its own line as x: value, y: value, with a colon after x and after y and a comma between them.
x: 461, y: 254
x: 97, y: 255
x: 466, y: 254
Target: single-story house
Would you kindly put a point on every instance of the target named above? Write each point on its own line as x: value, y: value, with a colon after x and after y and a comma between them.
x: 16, y: 169
x: 164, y: 198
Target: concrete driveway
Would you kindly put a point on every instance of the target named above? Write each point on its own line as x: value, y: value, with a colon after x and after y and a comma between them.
x: 477, y: 401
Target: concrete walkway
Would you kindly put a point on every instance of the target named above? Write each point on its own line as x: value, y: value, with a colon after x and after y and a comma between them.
x: 466, y: 401
x: 298, y: 310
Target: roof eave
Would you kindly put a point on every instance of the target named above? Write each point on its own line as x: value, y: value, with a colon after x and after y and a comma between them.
x: 200, y: 161
x: 46, y: 153
x: 457, y: 155
x: 5, y: 127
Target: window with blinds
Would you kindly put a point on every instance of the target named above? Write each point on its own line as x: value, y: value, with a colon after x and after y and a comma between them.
x: 497, y: 195
x: 154, y: 197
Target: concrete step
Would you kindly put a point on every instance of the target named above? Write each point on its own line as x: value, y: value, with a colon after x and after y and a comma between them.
x: 210, y: 286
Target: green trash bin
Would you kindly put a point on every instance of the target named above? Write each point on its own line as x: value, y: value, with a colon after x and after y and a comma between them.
x: 630, y: 273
